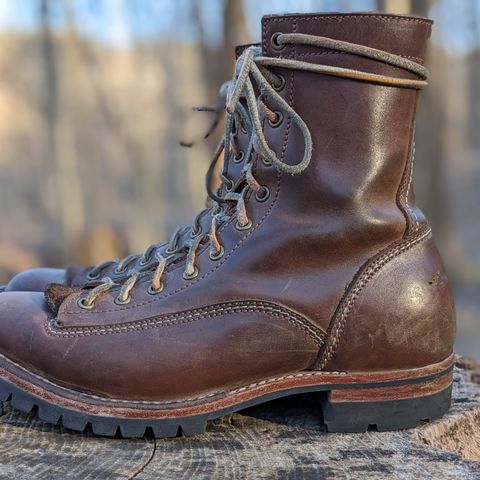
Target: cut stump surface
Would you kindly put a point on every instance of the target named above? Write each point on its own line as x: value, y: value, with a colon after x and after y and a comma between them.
x: 284, y: 439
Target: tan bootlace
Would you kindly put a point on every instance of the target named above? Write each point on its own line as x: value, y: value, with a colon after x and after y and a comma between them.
x: 252, y: 68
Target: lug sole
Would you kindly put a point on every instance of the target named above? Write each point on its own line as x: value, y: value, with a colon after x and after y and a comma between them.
x: 390, y: 400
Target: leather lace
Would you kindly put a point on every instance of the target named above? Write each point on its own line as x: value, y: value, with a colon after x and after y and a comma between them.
x: 252, y: 82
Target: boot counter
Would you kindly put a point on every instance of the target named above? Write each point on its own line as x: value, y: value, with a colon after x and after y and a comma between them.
x: 403, y: 317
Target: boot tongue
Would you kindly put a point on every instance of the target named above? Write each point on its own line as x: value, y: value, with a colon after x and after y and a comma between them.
x: 55, y: 295
x: 400, y: 35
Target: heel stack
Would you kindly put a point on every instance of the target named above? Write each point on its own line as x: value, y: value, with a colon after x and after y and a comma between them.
x: 387, y: 407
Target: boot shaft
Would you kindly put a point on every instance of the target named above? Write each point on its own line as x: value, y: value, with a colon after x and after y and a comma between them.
x: 362, y: 133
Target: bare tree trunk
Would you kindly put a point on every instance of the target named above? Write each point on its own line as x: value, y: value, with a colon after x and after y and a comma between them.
x: 234, y: 33
x: 218, y: 61
x: 50, y: 112
x: 420, y: 7
x: 66, y: 193
x: 474, y: 119
x: 416, y: 7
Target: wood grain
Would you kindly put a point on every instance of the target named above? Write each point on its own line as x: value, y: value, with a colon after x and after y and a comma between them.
x: 280, y: 440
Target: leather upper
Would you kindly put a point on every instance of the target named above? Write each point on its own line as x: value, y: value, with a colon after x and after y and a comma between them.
x: 267, y: 306
x: 35, y: 279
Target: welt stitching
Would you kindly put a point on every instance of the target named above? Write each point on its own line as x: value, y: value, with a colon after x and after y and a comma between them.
x: 185, y: 400
x: 348, y: 302
x: 187, y: 317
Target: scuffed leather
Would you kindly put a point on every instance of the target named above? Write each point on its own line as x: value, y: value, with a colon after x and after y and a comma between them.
x: 403, y: 318
x: 181, y: 359
x: 307, y: 243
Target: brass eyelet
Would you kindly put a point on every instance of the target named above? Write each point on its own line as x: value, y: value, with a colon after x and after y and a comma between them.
x: 266, y: 193
x: 93, y: 277
x: 278, y: 121
x: 81, y: 303
x: 217, y: 255
x: 240, y: 157
x: 276, y: 45
x: 119, y: 301
x: 153, y: 291
x: 281, y: 83
x: 191, y: 276
x: 244, y: 227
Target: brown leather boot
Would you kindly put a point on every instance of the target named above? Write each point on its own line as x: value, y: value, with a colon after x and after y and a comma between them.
x: 313, y: 272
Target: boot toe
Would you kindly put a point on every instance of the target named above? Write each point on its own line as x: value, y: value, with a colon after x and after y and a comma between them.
x: 35, y: 279
x: 22, y: 316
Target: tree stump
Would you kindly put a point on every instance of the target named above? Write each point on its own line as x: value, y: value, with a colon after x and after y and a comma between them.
x: 284, y: 439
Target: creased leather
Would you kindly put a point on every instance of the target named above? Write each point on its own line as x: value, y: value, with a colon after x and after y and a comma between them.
x: 307, y: 243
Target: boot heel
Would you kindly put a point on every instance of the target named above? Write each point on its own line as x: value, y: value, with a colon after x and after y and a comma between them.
x: 383, y: 408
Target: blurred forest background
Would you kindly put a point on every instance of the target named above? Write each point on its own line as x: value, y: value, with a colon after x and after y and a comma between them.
x: 95, y: 96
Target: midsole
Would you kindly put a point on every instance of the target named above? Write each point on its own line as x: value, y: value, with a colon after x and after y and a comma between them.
x: 416, y: 382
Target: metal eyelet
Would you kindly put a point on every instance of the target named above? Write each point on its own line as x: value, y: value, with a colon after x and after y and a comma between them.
x: 81, y: 303
x: 276, y: 45
x: 191, y: 276
x: 170, y: 251
x: 244, y: 227
x: 243, y: 129
x: 119, y: 301
x: 144, y: 261
x: 119, y: 271
x: 153, y: 291
x: 195, y: 234
x: 240, y: 157
x: 266, y: 193
x: 93, y: 277
x: 281, y: 83
x: 278, y: 121
x: 266, y: 162
x: 228, y: 185
x: 217, y: 255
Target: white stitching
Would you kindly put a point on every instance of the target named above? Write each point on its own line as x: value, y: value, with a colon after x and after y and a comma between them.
x: 346, y: 304
x: 173, y: 402
x: 297, y: 320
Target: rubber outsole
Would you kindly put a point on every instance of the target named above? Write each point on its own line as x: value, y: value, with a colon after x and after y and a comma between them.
x: 344, y: 416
